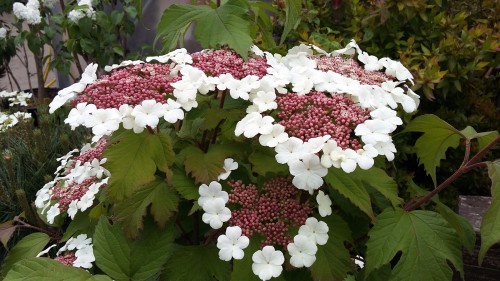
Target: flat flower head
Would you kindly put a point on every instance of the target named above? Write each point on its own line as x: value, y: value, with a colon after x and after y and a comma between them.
x: 231, y: 244
x: 267, y: 263
x: 303, y: 251
x: 315, y: 230
x: 211, y: 192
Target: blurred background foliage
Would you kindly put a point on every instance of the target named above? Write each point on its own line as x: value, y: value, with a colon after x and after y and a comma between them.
x: 451, y: 47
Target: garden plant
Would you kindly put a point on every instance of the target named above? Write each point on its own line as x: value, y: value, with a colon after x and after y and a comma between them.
x: 237, y: 163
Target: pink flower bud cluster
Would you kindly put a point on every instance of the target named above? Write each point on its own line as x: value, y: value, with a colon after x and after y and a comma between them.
x: 74, y: 191
x: 317, y: 114
x: 67, y: 259
x: 270, y: 212
x: 350, y: 68
x: 93, y: 153
x: 130, y: 85
x: 217, y: 62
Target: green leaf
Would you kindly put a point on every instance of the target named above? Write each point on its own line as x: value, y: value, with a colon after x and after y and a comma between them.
x: 461, y: 225
x: 134, y: 159
x: 197, y: 263
x: 263, y: 162
x: 490, y: 226
x: 184, y: 185
x: 226, y: 24
x: 80, y: 224
x: 141, y: 259
x: 380, y: 181
x: 425, y: 239
x: 28, y: 247
x: 293, y: 10
x: 162, y: 198
x: 204, y: 167
x: 486, y: 138
x: 351, y: 188
x: 44, y: 269
x: 333, y: 260
x: 438, y: 137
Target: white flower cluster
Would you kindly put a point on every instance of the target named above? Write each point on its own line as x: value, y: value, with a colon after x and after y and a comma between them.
x: 3, y: 33
x: 303, y: 249
x: 16, y: 98
x: 30, y: 13
x: 213, y: 202
x: 71, y: 172
x: 83, y: 10
x: 10, y: 120
x: 308, y: 161
x: 83, y: 251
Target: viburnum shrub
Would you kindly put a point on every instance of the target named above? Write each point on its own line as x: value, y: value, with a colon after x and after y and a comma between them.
x: 208, y: 166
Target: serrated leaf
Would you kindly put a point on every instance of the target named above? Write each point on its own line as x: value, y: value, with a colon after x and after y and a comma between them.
x: 184, y: 185
x: 214, y: 27
x: 461, y: 225
x: 133, y: 161
x: 483, y: 139
x: 141, y: 259
x: 131, y: 211
x: 293, y: 9
x: 351, y: 188
x: 380, y: 181
x: 204, y: 167
x: 28, y: 247
x: 44, y: 269
x: 438, y: 137
x: 490, y: 225
x: 425, y: 240
x: 197, y: 263
x: 333, y: 260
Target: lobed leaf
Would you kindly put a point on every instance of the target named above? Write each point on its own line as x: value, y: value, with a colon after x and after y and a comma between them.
x: 44, y: 269
x: 351, y: 188
x: 162, y: 198
x: 380, y: 181
x: 425, y: 240
x: 490, y: 226
x: 438, y: 137
x: 205, y: 167
x: 134, y: 159
x: 141, y: 259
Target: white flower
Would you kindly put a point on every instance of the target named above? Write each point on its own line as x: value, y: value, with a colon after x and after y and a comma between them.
x: 267, y: 263
x: 253, y: 124
x: 49, y: 3
x: 211, y: 192
x: 97, y: 170
x: 52, y: 213
x: 30, y: 13
x: 173, y: 111
x: 275, y: 137
x: 308, y: 173
x: 89, y: 75
x: 257, y: 51
x: 365, y: 156
x: 108, y: 68
x: 229, y: 165
x: 84, y: 257
x: 79, y: 114
x: 386, y: 148
x: 290, y: 150
x: 324, y: 204
x: 73, y: 209
x: 104, y: 121
x: 371, y: 62
x: 396, y: 69
x: 303, y: 251
x: 314, y: 145
x: 231, y: 244
x: 350, y: 49
x: 215, y: 213
x: 148, y: 113
x: 359, y: 261
x: 80, y: 242
x: 373, y: 131
x: 179, y: 56
x: 45, y: 251
x: 315, y: 230
x: 86, y: 201
x: 128, y: 120
x: 265, y: 101
x: 387, y: 115
x: 77, y: 14
x: 3, y: 32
